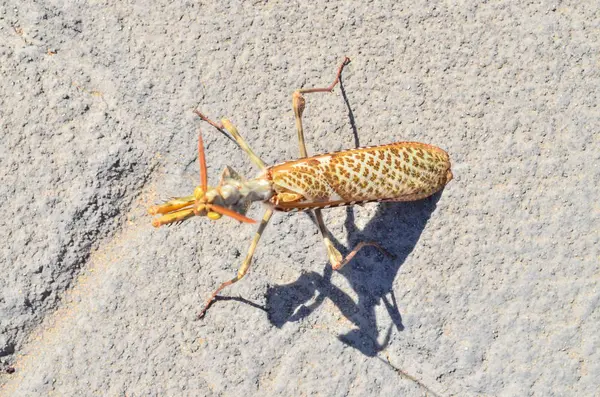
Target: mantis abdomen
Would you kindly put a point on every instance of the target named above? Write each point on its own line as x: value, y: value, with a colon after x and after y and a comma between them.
x: 401, y: 171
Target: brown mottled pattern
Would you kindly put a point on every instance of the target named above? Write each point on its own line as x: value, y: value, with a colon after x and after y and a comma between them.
x: 396, y: 172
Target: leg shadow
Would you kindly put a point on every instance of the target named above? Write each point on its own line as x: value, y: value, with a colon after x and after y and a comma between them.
x: 397, y: 227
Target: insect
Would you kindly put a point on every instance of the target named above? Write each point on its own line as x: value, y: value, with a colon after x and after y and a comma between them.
x: 402, y: 171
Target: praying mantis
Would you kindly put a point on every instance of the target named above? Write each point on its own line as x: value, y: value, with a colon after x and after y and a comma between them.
x: 401, y: 171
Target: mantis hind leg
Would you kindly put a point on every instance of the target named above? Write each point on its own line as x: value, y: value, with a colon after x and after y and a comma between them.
x: 335, y: 257
x: 358, y: 247
x: 298, y: 103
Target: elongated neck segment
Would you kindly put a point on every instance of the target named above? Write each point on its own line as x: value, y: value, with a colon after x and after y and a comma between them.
x: 235, y: 195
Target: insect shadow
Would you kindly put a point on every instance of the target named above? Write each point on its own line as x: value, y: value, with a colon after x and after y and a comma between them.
x: 397, y: 227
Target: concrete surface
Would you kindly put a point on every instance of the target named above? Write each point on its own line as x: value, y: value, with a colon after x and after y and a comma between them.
x: 494, y: 290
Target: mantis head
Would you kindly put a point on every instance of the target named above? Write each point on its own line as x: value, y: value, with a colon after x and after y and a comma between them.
x: 199, y: 204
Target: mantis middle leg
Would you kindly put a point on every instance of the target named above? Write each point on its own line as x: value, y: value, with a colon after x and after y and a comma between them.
x: 245, y: 265
x: 232, y: 130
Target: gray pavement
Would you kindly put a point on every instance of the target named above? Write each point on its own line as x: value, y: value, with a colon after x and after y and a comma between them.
x: 494, y: 288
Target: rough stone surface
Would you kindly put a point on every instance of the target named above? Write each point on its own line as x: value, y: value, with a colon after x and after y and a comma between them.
x: 494, y: 288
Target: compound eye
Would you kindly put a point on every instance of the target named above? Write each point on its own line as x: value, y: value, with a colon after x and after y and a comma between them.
x: 198, y: 193
x: 213, y: 215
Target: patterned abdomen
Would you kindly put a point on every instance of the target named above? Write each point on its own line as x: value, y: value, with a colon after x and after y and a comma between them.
x: 400, y: 171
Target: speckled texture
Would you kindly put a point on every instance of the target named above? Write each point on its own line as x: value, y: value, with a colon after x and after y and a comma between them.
x: 401, y: 171
x: 494, y: 288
